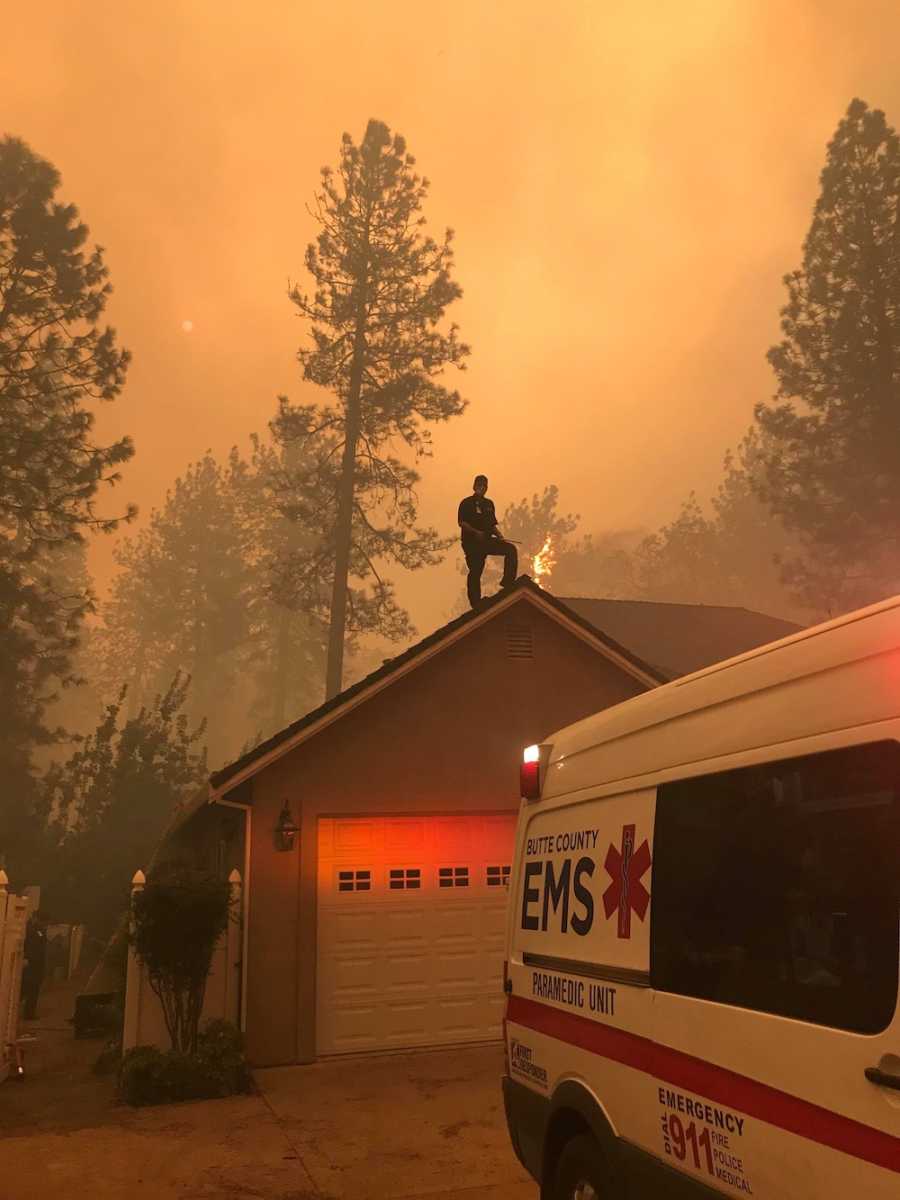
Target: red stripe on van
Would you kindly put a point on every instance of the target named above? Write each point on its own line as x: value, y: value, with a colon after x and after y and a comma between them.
x: 692, y: 1074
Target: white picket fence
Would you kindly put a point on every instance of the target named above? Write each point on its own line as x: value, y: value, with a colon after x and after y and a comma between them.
x: 144, y: 1022
x: 13, y: 919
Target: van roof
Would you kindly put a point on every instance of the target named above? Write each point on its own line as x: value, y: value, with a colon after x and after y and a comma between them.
x: 861, y: 634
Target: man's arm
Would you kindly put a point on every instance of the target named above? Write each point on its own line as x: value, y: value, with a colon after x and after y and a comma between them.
x: 495, y: 531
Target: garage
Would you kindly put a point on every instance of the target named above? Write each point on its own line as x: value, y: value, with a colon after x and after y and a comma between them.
x: 411, y: 918
x: 378, y: 828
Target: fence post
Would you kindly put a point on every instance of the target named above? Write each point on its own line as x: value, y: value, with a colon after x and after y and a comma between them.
x: 13, y: 916
x: 131, y: 1023
x: 7, y: 1029
x: 233, y: 942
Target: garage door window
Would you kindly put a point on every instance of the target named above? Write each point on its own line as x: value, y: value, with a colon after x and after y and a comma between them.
x: 498, y: 876
x: 776, y: 887
x: 404, y: 879
x: 450, y: 877
x: 354, y: 881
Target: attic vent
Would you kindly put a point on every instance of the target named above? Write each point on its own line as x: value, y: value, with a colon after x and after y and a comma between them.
x: 519, y: 641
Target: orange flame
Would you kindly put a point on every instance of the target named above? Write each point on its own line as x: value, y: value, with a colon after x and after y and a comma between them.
x: 543, y: 562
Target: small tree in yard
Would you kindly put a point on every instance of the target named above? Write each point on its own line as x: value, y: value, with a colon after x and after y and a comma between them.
x: 179, y: 916
x: 108, y: 805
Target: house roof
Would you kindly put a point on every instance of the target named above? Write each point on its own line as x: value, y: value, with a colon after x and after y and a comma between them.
x: 680, y: 638
x: 627, y: 658
x: 619, y: 629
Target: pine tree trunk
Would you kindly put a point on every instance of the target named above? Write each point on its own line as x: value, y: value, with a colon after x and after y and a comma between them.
x: 334, y: 670
x: 282, y: 653
x: 343, y: 534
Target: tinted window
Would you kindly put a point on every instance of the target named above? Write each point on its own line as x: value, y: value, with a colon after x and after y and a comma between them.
x: 776, y: 887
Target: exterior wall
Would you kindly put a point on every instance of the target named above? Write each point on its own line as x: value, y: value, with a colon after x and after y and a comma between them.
x: 446, y: 738
x: 212, y: 838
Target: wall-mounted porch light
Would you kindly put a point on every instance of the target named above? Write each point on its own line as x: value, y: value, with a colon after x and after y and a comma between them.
x: 286, y: 830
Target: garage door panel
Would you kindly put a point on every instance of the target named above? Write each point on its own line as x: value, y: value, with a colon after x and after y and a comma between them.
x: 353, y: 975
x: 406, y: 1024
x: 416, y: 964
x: 350, y: 1029
x: 353, y: 837
x: 463, y: 1019
x: 458, y: 966
x: 403, y: 838
x: 450, y: 925
x: 400, y: 972
x: 410, y: 925
x: 346, y: 926
x: 454, y: 837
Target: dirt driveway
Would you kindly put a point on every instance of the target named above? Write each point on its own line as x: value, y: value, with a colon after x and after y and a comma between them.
x: 379, y: 1128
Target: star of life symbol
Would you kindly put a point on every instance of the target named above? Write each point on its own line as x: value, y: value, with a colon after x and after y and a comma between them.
x: 626, y: 892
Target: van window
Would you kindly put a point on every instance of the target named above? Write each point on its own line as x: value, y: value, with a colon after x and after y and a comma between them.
x: 776, y: 887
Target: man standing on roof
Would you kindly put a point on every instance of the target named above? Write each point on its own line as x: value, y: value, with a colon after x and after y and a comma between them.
x: 481, y: 537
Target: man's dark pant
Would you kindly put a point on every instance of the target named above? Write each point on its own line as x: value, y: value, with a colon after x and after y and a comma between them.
x: 475, y: 558
x: 31, y: 988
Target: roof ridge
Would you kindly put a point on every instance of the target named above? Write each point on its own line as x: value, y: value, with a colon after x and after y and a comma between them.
x: 674, y: 604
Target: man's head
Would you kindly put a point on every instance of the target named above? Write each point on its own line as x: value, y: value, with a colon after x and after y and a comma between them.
x: 479, y: 486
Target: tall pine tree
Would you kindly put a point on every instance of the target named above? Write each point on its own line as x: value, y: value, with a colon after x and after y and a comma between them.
x: 381, y: 288
x: 832, y: 470
x: 54, y: 360
x: 55, y: 363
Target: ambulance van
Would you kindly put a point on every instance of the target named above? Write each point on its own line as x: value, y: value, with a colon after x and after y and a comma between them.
x: 702, y: 945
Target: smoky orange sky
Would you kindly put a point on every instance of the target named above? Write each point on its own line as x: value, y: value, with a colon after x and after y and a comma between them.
x: 628, y: 184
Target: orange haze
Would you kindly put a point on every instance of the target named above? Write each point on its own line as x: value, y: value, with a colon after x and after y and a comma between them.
x: 628, y: 184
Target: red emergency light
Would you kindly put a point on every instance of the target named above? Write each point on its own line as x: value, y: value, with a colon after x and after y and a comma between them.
x: 530, y: 773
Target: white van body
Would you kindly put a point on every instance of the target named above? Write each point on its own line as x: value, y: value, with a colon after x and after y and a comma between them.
x: 702, y: 938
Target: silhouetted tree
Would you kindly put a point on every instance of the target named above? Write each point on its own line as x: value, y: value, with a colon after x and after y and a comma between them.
x: 108, y: 805
x: 536, y: 525
x: 833, y: 428
x: 212, y: 586
x: 181, y: 599
x: 54, y: 363
x: 284, y: 655
x: 676, y: 563
x: 600, y: 564
x: 381, y: 288
x: 53, y: 360
x: 727, y: 552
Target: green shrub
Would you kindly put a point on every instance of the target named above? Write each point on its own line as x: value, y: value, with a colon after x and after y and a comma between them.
x: 149, y: 1075
x: 220, y: 1052
x: 109, y: 1058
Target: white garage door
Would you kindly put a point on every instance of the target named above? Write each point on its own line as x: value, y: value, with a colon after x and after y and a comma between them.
x: 411, y: 926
